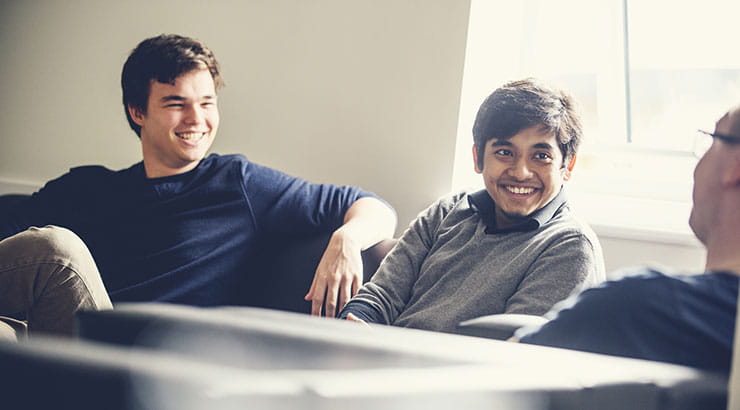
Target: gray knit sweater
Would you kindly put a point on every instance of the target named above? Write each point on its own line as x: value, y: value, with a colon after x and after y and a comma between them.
x: 452, y: 264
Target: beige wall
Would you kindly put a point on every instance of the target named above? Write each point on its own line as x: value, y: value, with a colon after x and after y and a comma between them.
x: 344, y: 91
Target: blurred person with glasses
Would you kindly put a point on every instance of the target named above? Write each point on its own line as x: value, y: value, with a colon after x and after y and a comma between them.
x: 657, y: 314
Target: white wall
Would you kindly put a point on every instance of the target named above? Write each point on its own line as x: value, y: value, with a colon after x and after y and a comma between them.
x: 342, y: 91
x: 620, y: 252
x: 635, y: 231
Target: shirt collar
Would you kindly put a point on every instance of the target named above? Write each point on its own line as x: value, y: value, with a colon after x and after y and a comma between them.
x: 486, y: 208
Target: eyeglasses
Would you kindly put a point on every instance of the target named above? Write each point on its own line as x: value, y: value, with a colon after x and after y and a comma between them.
x: 703, y: 140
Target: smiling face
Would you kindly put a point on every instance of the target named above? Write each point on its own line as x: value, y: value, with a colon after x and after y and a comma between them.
x: 179, y: 124
x: 522, y: 174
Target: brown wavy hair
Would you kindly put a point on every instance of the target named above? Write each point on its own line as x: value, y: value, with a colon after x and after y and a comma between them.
x: 163, y: 59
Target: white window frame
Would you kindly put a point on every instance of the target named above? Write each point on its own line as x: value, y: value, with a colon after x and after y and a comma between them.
x: 612, y: 187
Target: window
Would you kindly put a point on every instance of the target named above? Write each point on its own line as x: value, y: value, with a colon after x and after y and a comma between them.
x: 683, y: 69
x: 647, y: 74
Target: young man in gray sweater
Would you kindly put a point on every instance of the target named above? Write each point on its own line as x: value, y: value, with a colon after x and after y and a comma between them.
x: 514, y: 247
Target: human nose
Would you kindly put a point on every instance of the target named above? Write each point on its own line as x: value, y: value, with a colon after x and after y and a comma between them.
x: 520, y: 170
x: 193, y: 115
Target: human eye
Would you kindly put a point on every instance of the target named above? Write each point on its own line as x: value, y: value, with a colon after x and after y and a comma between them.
x: 503, y: 152
x: 543, y: 157
x: 208, y: 101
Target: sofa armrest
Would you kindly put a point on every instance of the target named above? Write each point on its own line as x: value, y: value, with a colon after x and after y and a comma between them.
x: 12, y: 329
x: 286, y: 267
x: 499, y: 327
x: 373, y: 256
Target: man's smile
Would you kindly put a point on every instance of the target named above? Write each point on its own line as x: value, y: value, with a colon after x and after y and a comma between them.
x: 519, y: 190
x: 191, y: 136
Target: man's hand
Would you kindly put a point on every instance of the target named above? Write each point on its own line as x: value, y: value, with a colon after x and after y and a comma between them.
x: 352, y: 318
x: 338, y: 276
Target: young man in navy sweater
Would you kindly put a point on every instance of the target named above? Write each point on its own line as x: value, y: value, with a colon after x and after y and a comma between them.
x: 179, y: 226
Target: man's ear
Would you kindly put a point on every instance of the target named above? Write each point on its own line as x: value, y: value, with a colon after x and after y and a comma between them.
x: 475, y: 161
x: 572, y: 163
x: 136, y: 115
x: 566, y: 171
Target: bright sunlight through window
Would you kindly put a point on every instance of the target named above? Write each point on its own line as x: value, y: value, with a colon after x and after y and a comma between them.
x: 647, y: 74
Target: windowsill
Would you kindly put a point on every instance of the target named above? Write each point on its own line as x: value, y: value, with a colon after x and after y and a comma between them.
x: 636, y: 219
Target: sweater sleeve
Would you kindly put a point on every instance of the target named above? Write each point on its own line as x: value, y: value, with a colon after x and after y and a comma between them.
x: 384, y: 298
x: 283, y: 204
x: 569, y: 264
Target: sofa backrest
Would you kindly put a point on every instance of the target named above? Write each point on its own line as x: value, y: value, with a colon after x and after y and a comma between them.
x: 286, y: 269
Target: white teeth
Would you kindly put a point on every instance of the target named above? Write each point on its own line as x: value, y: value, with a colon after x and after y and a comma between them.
x: 191, y: 135
x: 519, y: 190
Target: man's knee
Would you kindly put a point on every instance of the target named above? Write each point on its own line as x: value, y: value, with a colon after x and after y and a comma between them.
x: 55, y: 237
x: 55, y: 275
x: 50, y: 274
x: 52, y: 244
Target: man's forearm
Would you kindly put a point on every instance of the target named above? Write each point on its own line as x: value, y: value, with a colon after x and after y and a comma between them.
x: 368, y: 221
x: 339, y: 274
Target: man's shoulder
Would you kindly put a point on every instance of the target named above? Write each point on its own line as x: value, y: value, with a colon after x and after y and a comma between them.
x: 649, y: 292
x: 566, y: 216
x: 454, y: 200
x: 655, y: 281
x: 88, y: 174
x: 84, y: 170
x: 566, y: 222
x: 251, y: 170
x: 642, y: 289
x: 224, y: 168
x: 222, y: 161
x: 639, y: 279
x: 226, y: 158
x: 448, y: 204
x: 81, y: 181
x: 660, y: 277
x: 458, y: 200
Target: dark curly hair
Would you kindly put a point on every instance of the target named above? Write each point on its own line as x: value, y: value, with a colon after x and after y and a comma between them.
x: 521, y: 104
x: 162, y: 58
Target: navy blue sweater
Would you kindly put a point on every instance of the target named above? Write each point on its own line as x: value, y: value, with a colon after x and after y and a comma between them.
x: 682, y: 319
x: 187, y: 238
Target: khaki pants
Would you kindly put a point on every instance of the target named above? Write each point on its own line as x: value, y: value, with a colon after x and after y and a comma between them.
x: 49, y: 274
